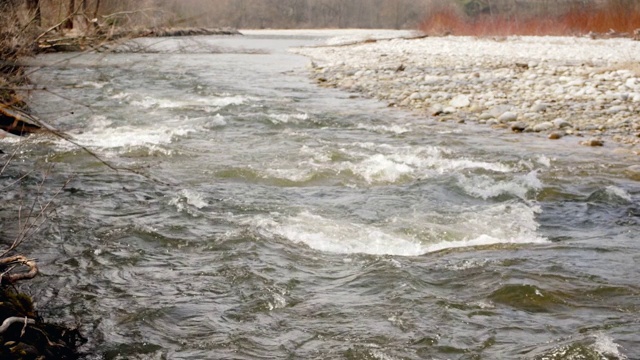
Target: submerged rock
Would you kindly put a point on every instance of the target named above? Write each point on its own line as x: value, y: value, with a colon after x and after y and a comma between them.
x: 518, y: 126
x: 543, y: 126
x: 555, y: 135
x: 508, y: 117
x: 460, y: 101
x: 592, y: 142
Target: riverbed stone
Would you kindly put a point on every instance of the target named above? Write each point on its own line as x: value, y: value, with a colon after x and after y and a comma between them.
x: 555, y: 135
x: 565, y: 88
x: 498, y: 110
x: 518, y: 126
x: 460, y: 101
x: 616, y: 109
x: 544, y: 126
x: 508, y: 116
x: 592, y: 142
x: 561, y: 123
x: 539, y: 108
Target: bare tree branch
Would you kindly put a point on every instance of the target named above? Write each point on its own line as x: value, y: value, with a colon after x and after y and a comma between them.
x: 15, y: 319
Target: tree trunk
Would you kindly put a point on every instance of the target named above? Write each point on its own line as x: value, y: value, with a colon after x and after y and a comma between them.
x: 70, y: 14
x: 95, y: 14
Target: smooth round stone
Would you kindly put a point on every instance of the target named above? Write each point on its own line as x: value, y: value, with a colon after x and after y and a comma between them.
x: 508, y: 116
x: 547, y: 125
x: 518, y: 126
x: 555, y: 135
x: 592, y: 142
x: 539, y: 108
x: 561, y: 123
x: 460, y: 101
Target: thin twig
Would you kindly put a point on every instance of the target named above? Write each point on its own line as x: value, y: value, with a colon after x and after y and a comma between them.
x: 29, y: 228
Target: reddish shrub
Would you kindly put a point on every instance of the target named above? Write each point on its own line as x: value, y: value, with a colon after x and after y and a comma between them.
x: 617, y: 15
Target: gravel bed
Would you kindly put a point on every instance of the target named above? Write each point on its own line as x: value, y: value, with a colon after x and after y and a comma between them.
x: 556, y: 86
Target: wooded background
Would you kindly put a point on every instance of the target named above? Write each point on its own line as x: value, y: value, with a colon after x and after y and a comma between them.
x: 392, y: 14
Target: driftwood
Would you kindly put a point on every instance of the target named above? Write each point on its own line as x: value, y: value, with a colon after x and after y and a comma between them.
x: 369, y: 41
x: 612, y: 34
x: 83, y: 42
x: 16, y: 122
x: 6, y: 278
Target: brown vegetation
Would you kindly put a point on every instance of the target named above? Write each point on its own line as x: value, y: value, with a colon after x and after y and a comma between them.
x: 602, y: 18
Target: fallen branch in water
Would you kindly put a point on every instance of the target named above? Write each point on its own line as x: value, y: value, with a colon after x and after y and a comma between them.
x: 15, y: 319
x: 18, y: 260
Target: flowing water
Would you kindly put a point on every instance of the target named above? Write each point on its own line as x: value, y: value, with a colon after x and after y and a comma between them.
x: 281, y: 220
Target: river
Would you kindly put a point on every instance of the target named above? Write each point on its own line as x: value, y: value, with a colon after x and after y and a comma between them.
x: 269, y: 218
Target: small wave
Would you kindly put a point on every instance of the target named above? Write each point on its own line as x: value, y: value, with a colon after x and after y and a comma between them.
x: 381, y: 168
x: 391, y: 164
x: 341, y: 236
x: 199, y: 102
x: 187, y: 200
x: 487, y: 187
x: 293, y: 175
x: 216, y: 121
x: 393, y: 129
x: 337, y: 236
x: 379, y: 164
x: 595, y: 347
x: 606, y: 346
x: 286, y: 118
x: 128, y: 136
x: 90, y: 84
x: 611, y: 195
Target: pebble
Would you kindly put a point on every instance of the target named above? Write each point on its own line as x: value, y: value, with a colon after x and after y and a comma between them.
x: 460, y: 101
x: 592, y: 142
x: 561, y: 123
x: 518, y: 126
x: 508, y: 117
x: 539, y: 108
x: 547, y: 125
x: 616, y: 109
x: 555, y: 135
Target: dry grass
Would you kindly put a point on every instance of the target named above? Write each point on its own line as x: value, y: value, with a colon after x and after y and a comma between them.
x: 621, y: 16
x: 17, y: 35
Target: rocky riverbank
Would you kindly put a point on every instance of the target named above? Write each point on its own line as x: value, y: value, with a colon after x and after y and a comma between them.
x: 555, y: 86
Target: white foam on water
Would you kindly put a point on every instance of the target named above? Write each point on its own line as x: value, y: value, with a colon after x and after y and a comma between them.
x: 295, y: 174
x: 607, y: 347
x: 128, y: 136
x: 218, y: 102
x: 381, y: 168
x: 378, y: 164
x: 543, y: 160
x: 103, y: 134
x: 317, y: 154
x: 215, y: 121
x: 90, y: 84
x: 392, y: 129
x: 287, y: 118
x: 391, y: 164
x: 618, y: 192
x: 500, y: 224
x: 121, y: 96
x: 337, y: 236
x: 185, y: 199
x: 486, y: 187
